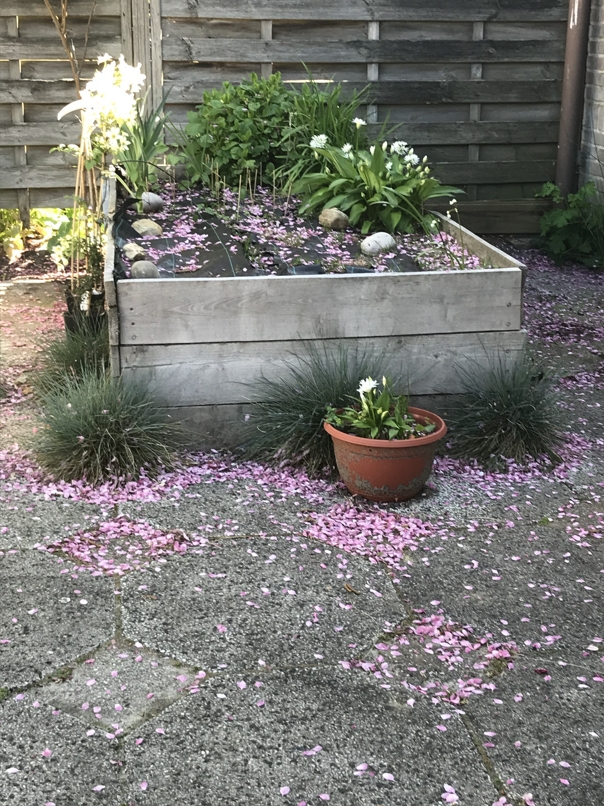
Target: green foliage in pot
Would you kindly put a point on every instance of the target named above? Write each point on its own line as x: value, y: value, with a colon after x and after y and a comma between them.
x: 378, y: 415
x: 384, y: 188
x: 574, y: 229
x: 286, y: 424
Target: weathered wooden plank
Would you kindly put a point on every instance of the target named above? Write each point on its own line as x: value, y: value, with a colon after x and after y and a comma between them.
x: 113, y: 322
x: 330, y: 306
x: 188, y: 87
x: 478, y: 173
x: 26, y: 49
x: 521, y: 216
x: 39, y: 134
x: 77, y: 8
x: 516, y: 10
x: 181, y: 45
x: 208, y: 374
x: 28, y: 91
x: 41, y: 176
x: 467, y: 132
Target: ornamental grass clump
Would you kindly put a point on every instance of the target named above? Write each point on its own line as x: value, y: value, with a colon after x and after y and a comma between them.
x: 509, y: 413
x: 287, y: 425
x: 95, y: 428
x: 378, y: 415
x: 74, y: 354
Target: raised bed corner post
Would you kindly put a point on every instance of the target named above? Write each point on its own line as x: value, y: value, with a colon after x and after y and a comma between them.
x: 573, y: 91
x: 113, y: 320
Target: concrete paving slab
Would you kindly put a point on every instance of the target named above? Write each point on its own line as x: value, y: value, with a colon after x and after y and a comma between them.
x: 548, y: 735
x: 281, y: 601
x: 81, y: 770
x: 221, y: 746
x: 48, y: 618
x: 120, y: 685
x: 26, y: 520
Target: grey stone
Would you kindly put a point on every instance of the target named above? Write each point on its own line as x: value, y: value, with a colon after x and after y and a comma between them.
x: 147, y: 227
x: 78, y: 763
x: 239, y: 752
x: 277, y: 601
x: 332, y: 218
x: 49, y: 618
x: 134, y: 251
x: 377, y: 243
x: 152, y: 203
x: 144, y: 270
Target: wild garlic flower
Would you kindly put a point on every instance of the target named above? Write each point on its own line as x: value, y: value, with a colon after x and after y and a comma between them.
x: 358, y: 122
x: 398, y: 147
x: 385, y: 145
x: 389, y: 165
x: 372, y: 150
x: 411, y: 158
x: 319, y: 141
x: 366, y: 386
x: 347, y: 148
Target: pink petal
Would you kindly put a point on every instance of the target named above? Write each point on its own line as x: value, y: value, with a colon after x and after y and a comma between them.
x: 221, y: 628
x: 144, y: 785
x: 325, y: 796
x: 118, y: 707
x: 98, y: 788
x: 284, y: 790
x: 241, y: 684
x: 47, y: 753
x: 564, y: 781
x: 388, y: 776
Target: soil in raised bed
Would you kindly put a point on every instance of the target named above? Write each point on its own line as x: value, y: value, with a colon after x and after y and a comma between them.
x: 209, y: 236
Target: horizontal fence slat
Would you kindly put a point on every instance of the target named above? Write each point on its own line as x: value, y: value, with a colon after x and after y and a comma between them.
x: 34, y: 91
x: 208, y: 374
x: 27, y: 50
x: 186, y: 48
x: 472, y: 132
x: 471, y: 10
x: 188, y: 89
x: 39, y: 134
x: 329, y: 306
x: 40, y: 176
x: 77, y: 8
x: 483, y: 173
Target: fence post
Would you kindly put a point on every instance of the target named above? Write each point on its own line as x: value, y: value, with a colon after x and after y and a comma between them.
x: 475, y: 109
x: 20, y: 153
x: 373, y: 69
x: 266, y: 34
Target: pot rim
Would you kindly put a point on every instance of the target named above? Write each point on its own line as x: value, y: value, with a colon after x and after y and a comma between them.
x: 441, y: 430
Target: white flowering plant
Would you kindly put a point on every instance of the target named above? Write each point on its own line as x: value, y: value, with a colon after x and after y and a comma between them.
x: 378, y: 414
x: 386, y: 187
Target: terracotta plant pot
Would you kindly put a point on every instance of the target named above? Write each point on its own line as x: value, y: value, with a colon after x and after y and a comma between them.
x: 387, y: 470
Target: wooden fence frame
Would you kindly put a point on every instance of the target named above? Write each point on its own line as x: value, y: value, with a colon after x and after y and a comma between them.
x: 154, y: 33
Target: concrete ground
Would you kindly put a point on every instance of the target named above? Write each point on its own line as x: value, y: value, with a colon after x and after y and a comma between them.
x: 261, y: 655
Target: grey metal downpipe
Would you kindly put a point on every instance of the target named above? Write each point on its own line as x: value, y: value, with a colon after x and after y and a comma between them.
x: 573, y: 90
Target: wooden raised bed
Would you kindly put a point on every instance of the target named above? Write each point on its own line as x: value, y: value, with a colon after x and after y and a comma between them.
x: 197, y: 343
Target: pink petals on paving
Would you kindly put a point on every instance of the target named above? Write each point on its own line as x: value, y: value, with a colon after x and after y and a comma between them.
x: 450, y: 795
x: 221, y: 628
x: 285, y: 790
x: 47, y: 753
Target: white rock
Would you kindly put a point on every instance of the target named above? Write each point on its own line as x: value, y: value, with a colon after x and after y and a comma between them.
x: 144, y: 270
x: 332, y: 218
x: 134, y: 251
x: 144, y: 226
x: 152, y: 203
x: 376, y: 243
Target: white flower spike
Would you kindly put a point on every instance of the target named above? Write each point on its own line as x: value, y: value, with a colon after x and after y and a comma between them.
x: 366, y: 386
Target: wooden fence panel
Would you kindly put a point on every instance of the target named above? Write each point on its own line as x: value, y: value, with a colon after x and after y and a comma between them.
x: 474, y: 85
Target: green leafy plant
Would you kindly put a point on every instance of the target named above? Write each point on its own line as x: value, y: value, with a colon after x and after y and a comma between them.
x: 97, y: 429
x: 287, y: 423
x: 383, y: 188
x: 73, y: 355
x: 509, y: 411
x: 378, y: 415
x: 319, y: 110
x: 145, y: 145
x: 235, y: 133
x: 574, y: 229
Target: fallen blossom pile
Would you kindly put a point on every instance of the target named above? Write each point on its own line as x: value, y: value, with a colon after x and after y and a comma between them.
x: 120, y: 545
